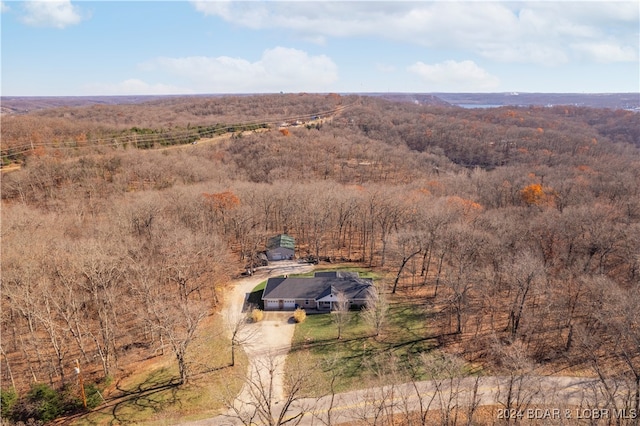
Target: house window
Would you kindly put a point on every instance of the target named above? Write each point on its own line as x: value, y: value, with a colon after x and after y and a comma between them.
x: 306, y: 302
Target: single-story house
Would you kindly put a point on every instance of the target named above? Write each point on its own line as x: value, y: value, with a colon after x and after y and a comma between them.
x: 280, y: 247
x: 318, y: 292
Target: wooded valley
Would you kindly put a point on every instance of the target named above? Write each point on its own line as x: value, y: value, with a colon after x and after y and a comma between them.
x: 517, y: 227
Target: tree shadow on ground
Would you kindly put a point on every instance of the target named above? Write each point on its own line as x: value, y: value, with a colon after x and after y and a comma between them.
x: 327, y: 343
x: 154, y: 394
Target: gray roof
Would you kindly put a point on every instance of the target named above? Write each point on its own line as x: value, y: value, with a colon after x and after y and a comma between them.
x: 337, y: 274
x: 314, y: 288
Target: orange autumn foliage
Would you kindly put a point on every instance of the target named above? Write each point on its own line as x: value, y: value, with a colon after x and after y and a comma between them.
x: 222, y: 200
x: 536, y: 194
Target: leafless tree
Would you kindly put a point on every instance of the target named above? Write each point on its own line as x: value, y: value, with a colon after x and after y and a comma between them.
x: 617, y: 315
x: 332, y: 364
x: 416, y: 399
x: 374, y: 405
x: 8, y: 367
x: 382, y: 398
x: 410, y: 245
x: 447, y: 389
x: 523, y: 277
x: 68, y: 301
x: 172, y: 309
x: 389, y: 216
x: 178, y: 321
x: 240, y: 329
x: 522, y: 385
x: 57, y: 335
x: 464, y: 259
x: 376, y: 308
x: 259, y: 400
x: 340, y: 314
x: 101, y: 270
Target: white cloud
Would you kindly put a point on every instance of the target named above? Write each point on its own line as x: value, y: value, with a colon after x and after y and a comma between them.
x: 455, y: 76
x: 3, y: 7
x: 521, y: 31
x: 607, y: 52
x: 525, y: 52
x: 51, y: 13
x: 279, y: 69
x: 220, y: 8
x: 134, y: 86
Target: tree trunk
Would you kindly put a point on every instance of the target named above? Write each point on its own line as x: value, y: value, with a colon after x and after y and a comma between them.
x: 6, y: 361
x: 440, y: 261
x: 233, y: 354
x: 404, y: 262
x: 182, y: 367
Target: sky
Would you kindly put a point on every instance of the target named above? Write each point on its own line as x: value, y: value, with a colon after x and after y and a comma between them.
x: 88, y: 48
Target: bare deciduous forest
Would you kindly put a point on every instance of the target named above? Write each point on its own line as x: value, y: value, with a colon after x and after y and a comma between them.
x: 519, y: 227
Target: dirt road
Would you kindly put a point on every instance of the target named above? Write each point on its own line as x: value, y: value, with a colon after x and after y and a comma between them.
x: 560, y: 399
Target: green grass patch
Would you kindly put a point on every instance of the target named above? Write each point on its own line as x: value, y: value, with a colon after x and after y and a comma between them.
x: 150, y: 395
x: 360, y: 358
x: 260, y: 286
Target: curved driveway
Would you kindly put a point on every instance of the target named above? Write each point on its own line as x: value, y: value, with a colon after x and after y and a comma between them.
x: 266, y: 343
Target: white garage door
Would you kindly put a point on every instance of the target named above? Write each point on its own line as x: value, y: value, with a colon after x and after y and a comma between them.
x: 289, y: 304
x: 273, y: 304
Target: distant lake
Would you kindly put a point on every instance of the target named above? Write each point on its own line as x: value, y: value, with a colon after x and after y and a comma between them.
x: 471, y: 106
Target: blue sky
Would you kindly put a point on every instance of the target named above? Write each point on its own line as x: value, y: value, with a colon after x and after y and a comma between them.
x: 75, y: 48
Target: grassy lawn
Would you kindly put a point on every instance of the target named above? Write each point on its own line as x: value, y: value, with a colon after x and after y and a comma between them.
x: 358, y: 355
x: 259, y: 287
x: 149, y: 395
x: 359, y: 359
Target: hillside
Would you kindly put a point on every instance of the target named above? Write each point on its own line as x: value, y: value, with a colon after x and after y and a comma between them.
x: 21, y: 105
x: 516, y: 230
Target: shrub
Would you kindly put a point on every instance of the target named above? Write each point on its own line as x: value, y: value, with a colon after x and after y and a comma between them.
x: 257, y: 315
x: 299, y: 315
x: 94, y: 398
x: 42, y: 403
x: 8, y: 399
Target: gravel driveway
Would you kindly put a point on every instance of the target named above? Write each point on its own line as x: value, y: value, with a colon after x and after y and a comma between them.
x: 268, y: 341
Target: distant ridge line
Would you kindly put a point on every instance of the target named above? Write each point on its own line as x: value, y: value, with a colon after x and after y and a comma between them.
x: 630, y: 101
